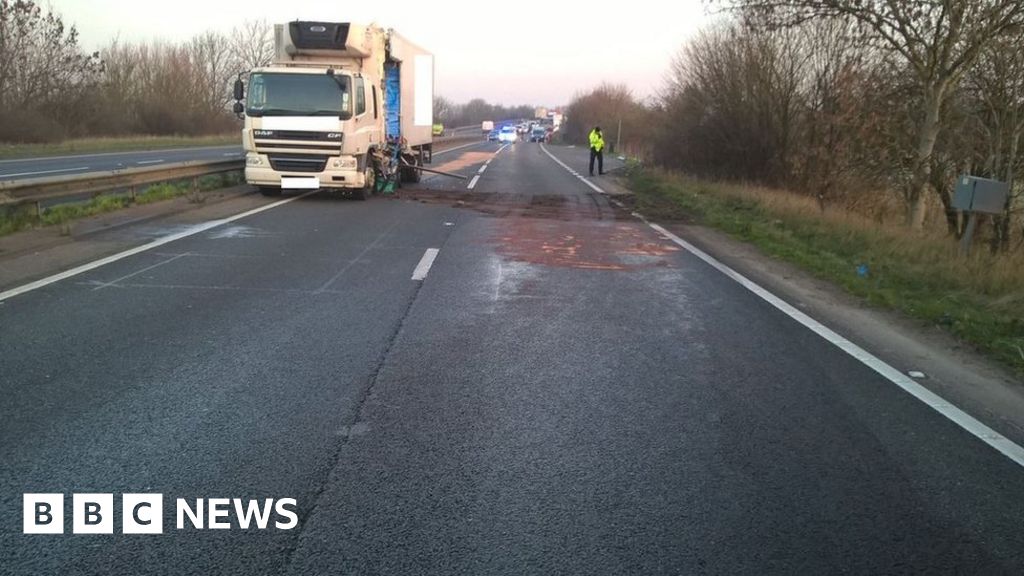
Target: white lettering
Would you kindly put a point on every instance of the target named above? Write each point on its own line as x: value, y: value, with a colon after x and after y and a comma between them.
x: 184, y: 510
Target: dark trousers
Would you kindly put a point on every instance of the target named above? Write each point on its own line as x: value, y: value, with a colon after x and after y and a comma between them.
x: 599, y: 154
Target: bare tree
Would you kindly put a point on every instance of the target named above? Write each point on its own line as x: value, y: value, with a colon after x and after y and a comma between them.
x: 995, y: 86
x: 939, y: 40
x: 252, y: 45
x: 210, y: 56
x: 43, y: 71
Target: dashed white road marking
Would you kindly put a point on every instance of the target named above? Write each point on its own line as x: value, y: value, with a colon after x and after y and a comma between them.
x: 472, y: 183
x: 482, y: 168
x: 149, y: 161
x: 426, y: 262
x: 976, y: 428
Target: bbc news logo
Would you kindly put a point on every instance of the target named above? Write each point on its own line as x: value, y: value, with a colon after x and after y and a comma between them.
x: 144, y: 513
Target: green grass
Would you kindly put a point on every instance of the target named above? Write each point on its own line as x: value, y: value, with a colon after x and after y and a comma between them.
x: 978, y: 299
x: 15, y: 218
x: 129, y: 143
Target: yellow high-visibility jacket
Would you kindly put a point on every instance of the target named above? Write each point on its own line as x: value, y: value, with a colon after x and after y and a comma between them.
x: 596, y: 140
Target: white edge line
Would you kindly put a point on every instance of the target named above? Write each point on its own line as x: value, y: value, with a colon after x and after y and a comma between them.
x: 593, y: 186
x: 44, y: 172
x: 987, y: 435
x: 124, y: 152
x: 473, y: 182
x: 197, y: 229
x: 426, y: 262
x: 972, y: 425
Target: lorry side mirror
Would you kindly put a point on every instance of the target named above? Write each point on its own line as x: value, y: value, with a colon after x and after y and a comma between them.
x: 239, y: 89
x: 238, y: 108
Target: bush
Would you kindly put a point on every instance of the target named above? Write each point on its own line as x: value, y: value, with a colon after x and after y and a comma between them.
x: 29, y: 127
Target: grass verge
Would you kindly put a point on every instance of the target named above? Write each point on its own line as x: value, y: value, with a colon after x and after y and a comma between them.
x: 978, y: 299
x: 130, y: 143
x: 15, y: 218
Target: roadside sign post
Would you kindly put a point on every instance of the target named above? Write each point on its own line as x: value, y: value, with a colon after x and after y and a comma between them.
x: 976, y: 197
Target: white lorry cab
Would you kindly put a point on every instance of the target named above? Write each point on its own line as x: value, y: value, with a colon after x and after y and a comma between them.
x: 342, y: 106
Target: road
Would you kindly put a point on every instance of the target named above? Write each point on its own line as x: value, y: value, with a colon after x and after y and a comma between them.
x: 50, y: 166
x: 562, y: 391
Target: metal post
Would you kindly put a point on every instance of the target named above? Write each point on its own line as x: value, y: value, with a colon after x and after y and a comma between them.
x: 618, y: 138
x: 968, y: 237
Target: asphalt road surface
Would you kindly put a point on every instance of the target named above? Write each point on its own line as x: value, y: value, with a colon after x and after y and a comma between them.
x: 46, y: 167
x: 561, y: 391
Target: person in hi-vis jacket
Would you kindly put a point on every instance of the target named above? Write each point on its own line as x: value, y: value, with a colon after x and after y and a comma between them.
x: 596, y: 150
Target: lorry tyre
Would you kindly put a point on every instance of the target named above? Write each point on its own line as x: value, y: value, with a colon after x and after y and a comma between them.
x: 270, y: 191
x: 369, y: 181
x: 411, y: 175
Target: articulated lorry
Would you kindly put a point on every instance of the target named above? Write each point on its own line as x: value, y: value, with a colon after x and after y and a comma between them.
x: 342, y: 106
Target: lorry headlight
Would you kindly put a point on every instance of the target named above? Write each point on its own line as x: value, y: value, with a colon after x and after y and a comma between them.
x: 253, y: 161
x: 344, y: 162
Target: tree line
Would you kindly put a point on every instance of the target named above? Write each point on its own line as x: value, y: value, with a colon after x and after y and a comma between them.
x: 476, y: 111
x: 50, y: 89
x: 870, y: 104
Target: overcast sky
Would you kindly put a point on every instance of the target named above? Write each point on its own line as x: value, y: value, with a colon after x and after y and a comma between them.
x: 510, y: 52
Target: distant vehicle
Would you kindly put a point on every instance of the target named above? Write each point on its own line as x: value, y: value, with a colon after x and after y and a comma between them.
x: 438, y: 129
x: 492, y: 136
x: 539, y: 134
x: 487, y: 126
x: 508, y: 134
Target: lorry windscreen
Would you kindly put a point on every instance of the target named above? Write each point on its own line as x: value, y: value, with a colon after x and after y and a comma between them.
x: 282, y: 94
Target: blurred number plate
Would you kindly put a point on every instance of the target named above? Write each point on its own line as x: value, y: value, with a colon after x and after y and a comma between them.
x: 292, y: 183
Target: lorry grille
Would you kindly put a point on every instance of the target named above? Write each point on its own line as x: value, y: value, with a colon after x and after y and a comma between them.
x: 335, y: 137
x: 298, y: 163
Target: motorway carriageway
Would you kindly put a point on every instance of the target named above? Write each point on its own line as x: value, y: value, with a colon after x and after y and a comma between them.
x: 507, y: 374
x: 53, y: 166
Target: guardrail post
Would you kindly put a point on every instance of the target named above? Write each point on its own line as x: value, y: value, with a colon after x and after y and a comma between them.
x: 39, y: 208
x: 131, y: 192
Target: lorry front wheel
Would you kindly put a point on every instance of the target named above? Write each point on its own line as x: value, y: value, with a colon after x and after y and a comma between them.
x: 270, y: 191
x: 369, y: 181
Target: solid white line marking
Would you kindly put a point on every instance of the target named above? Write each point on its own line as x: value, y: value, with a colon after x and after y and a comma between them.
x: 44, y: 172
x: 161, y: 151
x: 425, y: 263
x: 962, y: 419
x: 595, y: 187
x: 472, y: 183
x: 158, y: 161
x: 987, y: 435
x: 198, y: 228
x: 482, y: 168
